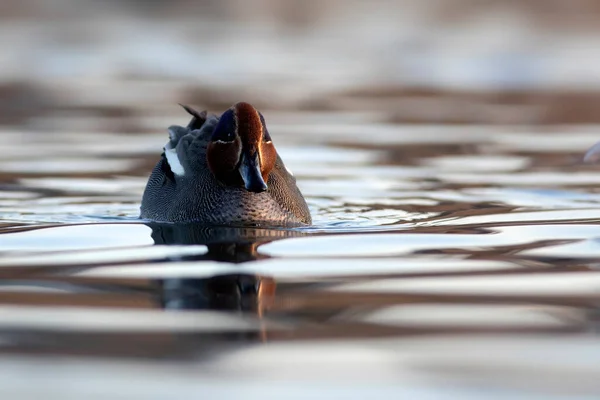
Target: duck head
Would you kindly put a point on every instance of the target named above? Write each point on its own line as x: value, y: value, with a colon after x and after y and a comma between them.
x: 240, y: 151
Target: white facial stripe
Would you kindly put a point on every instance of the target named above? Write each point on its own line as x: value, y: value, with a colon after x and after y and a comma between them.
x: 174, y: 163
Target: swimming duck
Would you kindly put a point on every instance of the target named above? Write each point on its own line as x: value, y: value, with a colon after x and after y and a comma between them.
x: 223, y: 171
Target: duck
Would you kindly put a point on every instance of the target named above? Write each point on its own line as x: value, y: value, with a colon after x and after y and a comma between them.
x: 223, y: 171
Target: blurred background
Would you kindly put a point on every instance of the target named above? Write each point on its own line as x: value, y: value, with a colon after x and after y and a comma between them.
x: 450, y: 61
x: 454, y: 251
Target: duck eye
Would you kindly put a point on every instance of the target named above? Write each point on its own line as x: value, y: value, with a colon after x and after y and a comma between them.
x: 225, y: 136
x: 266, y: 136
x: 225, y: 131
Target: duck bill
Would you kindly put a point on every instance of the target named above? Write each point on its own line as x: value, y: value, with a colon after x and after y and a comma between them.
x: 250, y: 172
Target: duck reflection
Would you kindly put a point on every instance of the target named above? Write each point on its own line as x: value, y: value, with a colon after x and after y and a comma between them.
x: 228, y: 292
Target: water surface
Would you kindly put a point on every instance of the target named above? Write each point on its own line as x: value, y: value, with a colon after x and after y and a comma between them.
x: 454, y: 260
